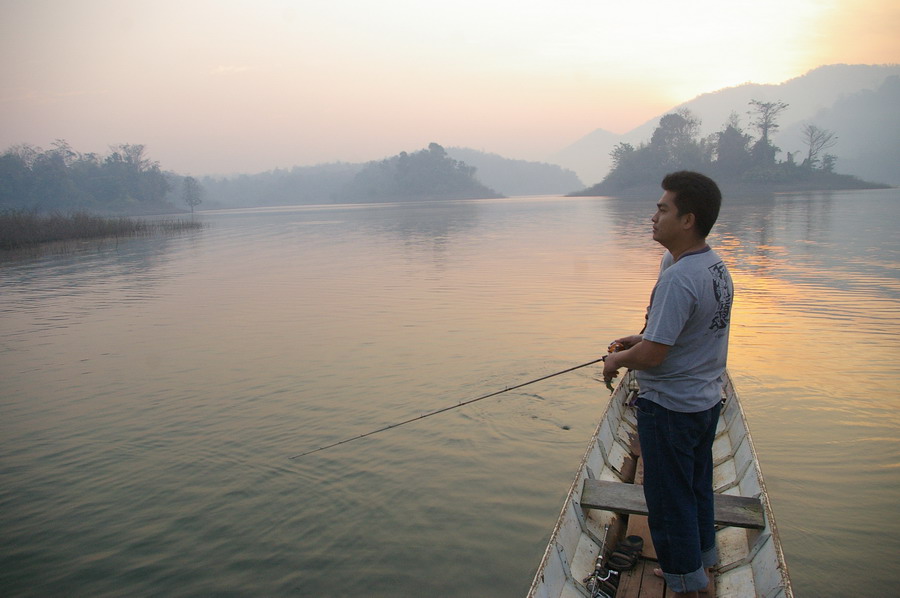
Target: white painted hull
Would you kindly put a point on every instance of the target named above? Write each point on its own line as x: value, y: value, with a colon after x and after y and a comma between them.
x: 751, y: 562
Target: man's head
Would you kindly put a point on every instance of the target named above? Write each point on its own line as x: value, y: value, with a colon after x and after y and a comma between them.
x: 695, y: 194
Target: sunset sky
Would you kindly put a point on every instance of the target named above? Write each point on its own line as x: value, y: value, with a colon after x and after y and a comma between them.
x: 247, y: 86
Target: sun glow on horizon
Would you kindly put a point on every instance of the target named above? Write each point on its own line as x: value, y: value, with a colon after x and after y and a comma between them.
x: 309, y: 82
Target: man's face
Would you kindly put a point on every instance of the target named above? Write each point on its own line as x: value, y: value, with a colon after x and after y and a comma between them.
x: 667, y: 224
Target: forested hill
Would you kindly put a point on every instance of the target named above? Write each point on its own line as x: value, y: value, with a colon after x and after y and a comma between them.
x: 62, y: 179
x: 428, y: 174
x: 127, y: 181
x: 858, y: 103
x: 732, y: 156
x: 432, y: 173
x: 423, y: 175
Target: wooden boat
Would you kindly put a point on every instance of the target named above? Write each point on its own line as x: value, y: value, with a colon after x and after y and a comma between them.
x: 604, y: 505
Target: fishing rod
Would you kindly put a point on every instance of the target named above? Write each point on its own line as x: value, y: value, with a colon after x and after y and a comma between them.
x: 445, y: 409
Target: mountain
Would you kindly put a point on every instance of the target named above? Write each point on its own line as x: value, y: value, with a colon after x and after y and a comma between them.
x: 517, y: 177
x: 589, y: 156
x: 867, y: 128
x: 825, y: 93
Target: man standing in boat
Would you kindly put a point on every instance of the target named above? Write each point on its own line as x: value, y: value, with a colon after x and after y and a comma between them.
x: 680, y: 360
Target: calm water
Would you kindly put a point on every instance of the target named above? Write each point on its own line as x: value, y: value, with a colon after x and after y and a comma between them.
x: 152, y: 393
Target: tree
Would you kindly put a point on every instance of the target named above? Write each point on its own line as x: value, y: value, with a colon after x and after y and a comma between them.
x: 621, y: 153
x: 191, y: 192
x: 16, y: 180
x: 731, y: 145
x: 133, y: 155
x: 764, y: 116
x: 675, y: 140
x: 64, y: 152
x: 817, y: 140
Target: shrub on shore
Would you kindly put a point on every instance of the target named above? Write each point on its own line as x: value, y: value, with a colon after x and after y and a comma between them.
x: 20, y: 229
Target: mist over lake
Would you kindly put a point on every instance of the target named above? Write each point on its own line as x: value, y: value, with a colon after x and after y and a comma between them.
x: 153, y: 390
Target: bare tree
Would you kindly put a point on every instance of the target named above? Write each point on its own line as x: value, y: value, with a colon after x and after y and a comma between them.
x: 191, y: 192
x: 817, y: 140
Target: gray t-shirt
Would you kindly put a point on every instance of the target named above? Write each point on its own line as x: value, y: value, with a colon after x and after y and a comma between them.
x: 690, y: 310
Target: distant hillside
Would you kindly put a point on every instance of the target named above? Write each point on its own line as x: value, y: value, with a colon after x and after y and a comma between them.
x: 517, y: 177
x: 816, y: 95
x: 300, y: 185
x: 867, y: 127
x: 423, y: 175
x: 589, y: 156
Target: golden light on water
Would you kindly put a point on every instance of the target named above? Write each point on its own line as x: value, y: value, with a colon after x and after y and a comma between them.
x: 782, y: 327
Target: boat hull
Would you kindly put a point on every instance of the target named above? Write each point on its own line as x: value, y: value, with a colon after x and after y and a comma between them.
x: 751, y: 561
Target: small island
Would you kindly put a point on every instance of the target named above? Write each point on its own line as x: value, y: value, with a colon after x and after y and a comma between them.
x: 738, y: 161
x: 424, y: 175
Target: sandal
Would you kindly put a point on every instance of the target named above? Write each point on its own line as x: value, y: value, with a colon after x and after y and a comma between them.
x: 626, y: 554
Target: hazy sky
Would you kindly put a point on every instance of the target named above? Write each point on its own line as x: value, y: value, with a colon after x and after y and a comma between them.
x: 246, y: 86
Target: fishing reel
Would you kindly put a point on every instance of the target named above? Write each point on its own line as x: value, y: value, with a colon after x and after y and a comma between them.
x: 603, y: 582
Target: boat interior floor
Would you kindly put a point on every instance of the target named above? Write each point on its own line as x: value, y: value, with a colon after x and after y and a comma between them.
x: 642, y: 582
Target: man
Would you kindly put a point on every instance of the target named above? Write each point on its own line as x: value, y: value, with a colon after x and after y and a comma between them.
x: 680, y: 361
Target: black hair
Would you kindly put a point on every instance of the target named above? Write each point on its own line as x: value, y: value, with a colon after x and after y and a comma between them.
x: 695, y: 194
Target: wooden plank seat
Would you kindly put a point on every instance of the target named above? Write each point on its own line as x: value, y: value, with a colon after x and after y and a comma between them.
x: 619, y: 497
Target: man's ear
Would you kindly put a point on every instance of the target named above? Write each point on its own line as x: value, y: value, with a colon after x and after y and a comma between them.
x: 688, y: 220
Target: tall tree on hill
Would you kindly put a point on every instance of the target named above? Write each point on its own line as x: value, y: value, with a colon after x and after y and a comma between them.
x: 764, y: 116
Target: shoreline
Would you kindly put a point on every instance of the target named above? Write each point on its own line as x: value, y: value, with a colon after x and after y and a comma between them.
x: 737, y: 189
x: 29, y: 232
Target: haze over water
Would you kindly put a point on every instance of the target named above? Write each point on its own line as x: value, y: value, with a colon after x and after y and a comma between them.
x: 153, y: 390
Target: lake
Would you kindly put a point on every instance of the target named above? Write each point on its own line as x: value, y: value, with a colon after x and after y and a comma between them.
x: 153, y: 391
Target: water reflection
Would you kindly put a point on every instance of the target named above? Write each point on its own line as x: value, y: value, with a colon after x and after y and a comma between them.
x: 150, y: 396
x: 434, y: 223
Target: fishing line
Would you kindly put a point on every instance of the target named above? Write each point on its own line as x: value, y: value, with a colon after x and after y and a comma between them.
x: 445, y: 409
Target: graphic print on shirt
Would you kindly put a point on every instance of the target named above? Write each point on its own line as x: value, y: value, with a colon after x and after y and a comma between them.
x: 723, y: 293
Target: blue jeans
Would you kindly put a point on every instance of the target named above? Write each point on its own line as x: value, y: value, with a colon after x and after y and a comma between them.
x: 676, y: 449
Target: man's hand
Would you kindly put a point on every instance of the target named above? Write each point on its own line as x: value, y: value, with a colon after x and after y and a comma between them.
x: 628, y: 342
x: 610, y: 368
x: 638, y: 354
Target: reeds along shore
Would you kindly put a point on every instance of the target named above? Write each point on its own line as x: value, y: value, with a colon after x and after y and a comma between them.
x: 20, y: 229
